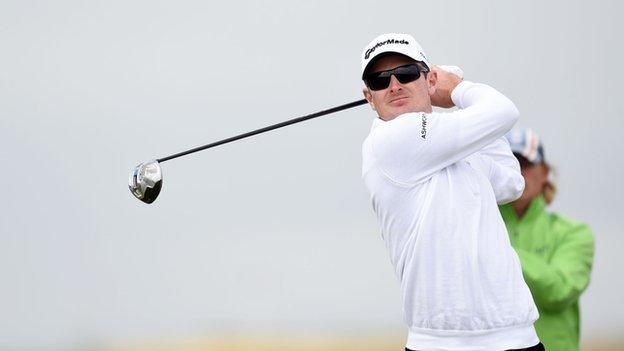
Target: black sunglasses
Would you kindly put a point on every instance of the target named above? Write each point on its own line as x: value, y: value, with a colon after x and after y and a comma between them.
x: 404, y: 74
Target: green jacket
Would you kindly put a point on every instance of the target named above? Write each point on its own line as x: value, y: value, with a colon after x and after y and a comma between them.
x: 556, y: 254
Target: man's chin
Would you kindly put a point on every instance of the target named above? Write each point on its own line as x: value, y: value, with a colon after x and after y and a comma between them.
x: 397, y: 111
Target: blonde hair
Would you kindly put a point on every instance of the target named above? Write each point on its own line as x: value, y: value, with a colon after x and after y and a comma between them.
x: 550, y: 187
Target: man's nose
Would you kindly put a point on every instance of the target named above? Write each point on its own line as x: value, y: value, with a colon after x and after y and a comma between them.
x: 395, y: 85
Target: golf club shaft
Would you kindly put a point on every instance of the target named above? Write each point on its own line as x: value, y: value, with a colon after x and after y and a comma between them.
x: 265, y: 129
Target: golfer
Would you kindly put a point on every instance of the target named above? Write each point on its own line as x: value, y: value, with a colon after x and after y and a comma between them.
x: 435, y: 180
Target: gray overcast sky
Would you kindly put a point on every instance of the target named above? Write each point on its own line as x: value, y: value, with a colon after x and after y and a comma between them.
x: 277, y: 231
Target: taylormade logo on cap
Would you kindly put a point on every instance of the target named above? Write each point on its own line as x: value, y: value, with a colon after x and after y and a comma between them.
x: 389, y: 41
x: 403, y: 44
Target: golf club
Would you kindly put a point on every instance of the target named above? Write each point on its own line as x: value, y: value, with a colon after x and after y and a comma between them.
x: 146, y: 179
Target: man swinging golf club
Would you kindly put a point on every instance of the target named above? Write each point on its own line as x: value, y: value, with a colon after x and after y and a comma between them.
x: 435, y: 180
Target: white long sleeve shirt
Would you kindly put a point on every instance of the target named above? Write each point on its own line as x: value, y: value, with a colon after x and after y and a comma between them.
x: 435, y: 180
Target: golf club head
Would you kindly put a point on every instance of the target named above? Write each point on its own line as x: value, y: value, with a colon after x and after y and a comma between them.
x: 146, y: 181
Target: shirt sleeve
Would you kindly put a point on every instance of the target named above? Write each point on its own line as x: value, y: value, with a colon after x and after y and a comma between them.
x: 413, y: 146
x: 501, y: 168
x: 557, y: 283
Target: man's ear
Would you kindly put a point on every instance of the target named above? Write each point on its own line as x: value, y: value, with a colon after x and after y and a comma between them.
x: 432, y: 81
x: 369, y: 97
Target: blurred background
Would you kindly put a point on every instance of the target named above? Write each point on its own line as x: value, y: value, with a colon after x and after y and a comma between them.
x: 268, y: 243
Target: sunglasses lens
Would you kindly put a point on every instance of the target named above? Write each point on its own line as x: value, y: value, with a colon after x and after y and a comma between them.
x: 404, y: 74
x: 407, y: 77
x: 378, y: 82
x: 407, y: 74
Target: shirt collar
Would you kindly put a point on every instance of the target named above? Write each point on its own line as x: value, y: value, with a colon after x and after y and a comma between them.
x: 536, y: 207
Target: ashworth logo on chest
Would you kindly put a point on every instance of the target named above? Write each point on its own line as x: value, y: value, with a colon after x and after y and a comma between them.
x: 423, y: 131
x: 382, y: 43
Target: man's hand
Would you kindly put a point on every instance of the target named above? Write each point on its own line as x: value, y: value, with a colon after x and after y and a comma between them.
x: 446, y: 82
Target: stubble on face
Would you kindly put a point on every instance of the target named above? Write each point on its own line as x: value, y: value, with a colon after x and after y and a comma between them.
x: 398, y: 98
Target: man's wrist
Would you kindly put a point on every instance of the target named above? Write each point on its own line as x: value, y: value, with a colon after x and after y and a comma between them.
x: 458, y: 91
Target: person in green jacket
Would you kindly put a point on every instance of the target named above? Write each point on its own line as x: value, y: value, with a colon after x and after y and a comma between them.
x: 555, y: 252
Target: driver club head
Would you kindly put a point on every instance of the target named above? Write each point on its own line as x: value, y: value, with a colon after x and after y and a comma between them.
x: 146, y: 181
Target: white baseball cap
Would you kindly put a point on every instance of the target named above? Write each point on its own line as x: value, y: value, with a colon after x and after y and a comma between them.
x: 526, y: 143
x: 404, y: 44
